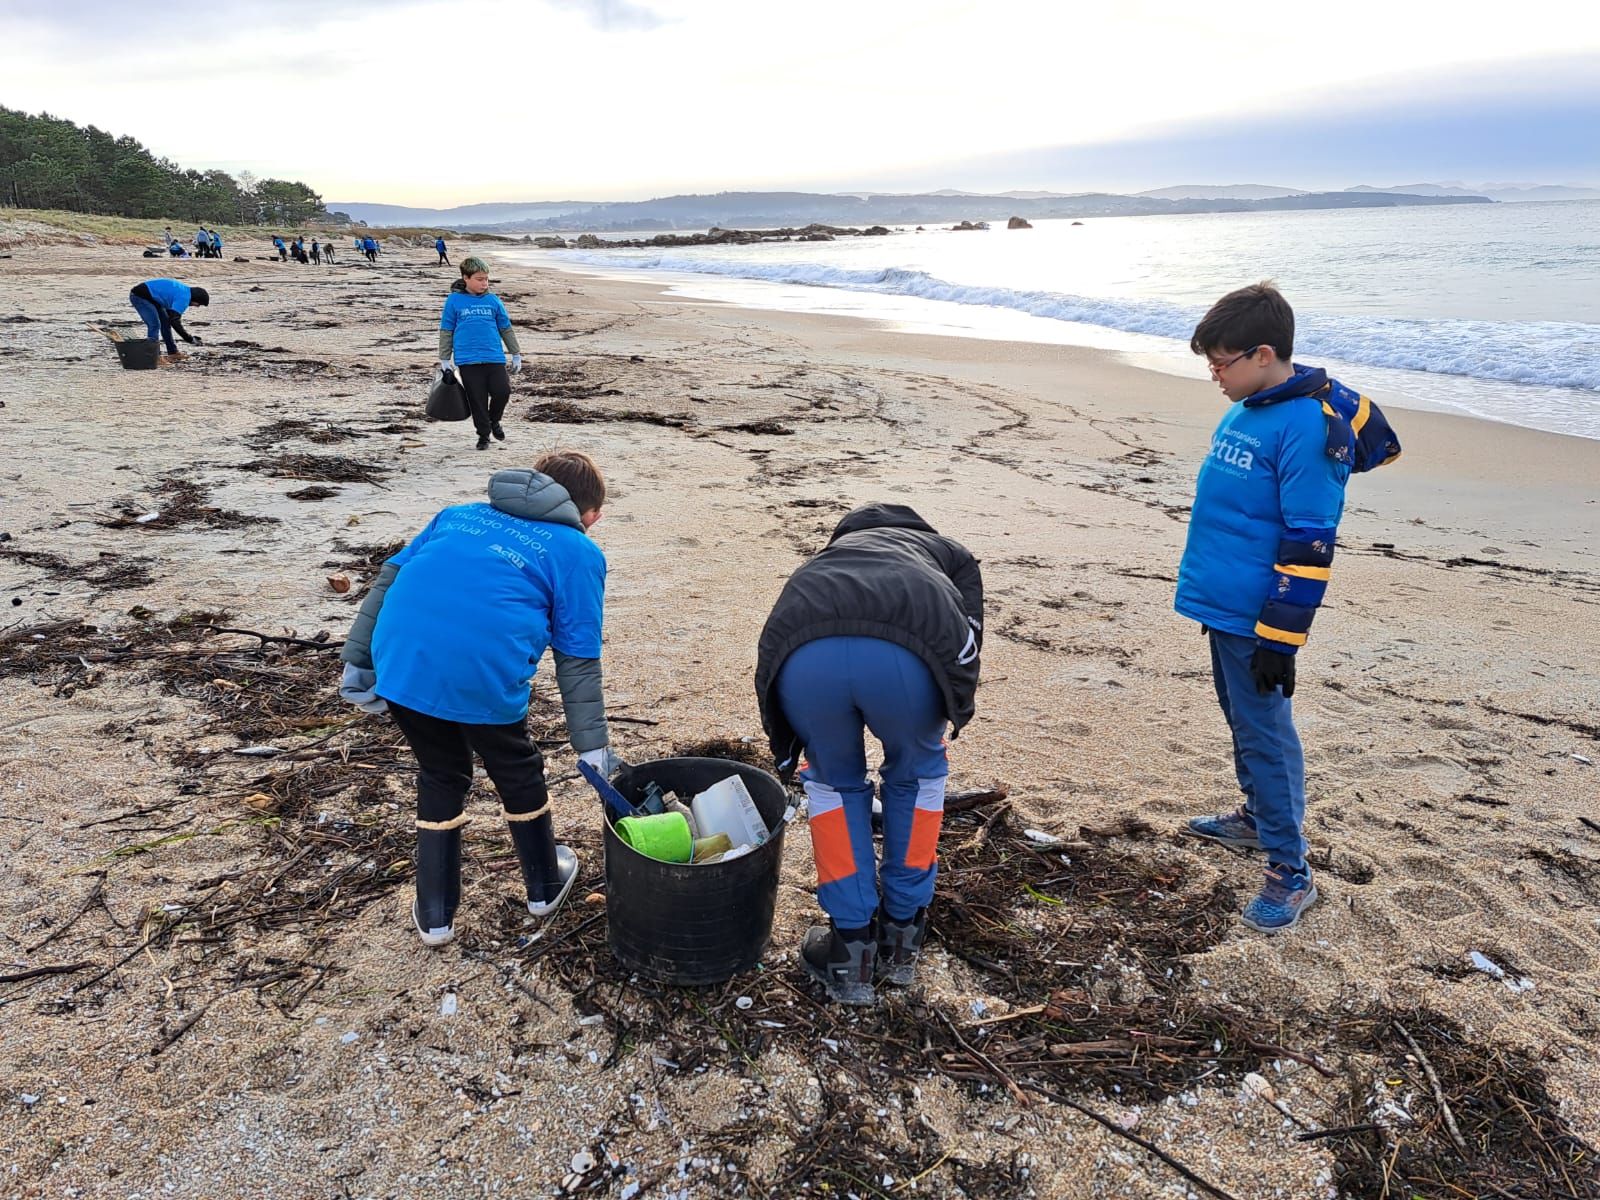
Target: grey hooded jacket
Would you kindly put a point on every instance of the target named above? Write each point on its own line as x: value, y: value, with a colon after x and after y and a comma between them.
x: 533, y: 497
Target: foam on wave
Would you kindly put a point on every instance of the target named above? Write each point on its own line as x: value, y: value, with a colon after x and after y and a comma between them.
x: 1548, y: 353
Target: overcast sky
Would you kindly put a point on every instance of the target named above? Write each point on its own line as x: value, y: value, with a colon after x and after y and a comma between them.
x: 418, y: 102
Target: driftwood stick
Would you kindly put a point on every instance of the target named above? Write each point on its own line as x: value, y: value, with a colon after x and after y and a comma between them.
x: 1149, y: 1148
x: 37, y: 972
x: 330, y: 644
x: 1438, y: 1091
x: 987, y: 1063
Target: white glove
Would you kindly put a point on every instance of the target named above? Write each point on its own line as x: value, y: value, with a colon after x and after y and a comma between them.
x: 356, y: 687
x: 446, y: 365
x: 602, y: 760
x: 516, y: 364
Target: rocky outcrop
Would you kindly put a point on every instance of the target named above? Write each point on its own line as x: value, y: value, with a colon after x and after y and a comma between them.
x: 716, y: 236
x: 1018, y: 223
x: 966, y: 225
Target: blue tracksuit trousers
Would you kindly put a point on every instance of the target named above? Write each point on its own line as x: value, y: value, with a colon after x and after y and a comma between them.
x: 155, y: 321
x: 832, y: 690
x: 1266, y: 751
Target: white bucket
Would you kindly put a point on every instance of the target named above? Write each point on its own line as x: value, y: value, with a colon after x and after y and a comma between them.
x: 726, y: 807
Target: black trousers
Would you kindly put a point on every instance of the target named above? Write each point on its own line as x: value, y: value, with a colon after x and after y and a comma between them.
x: 488, y: 388
x: 444, y: 751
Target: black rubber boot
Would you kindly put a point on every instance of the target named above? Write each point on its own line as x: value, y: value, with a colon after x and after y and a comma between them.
x: 899, y: 946
x: 843, y: 967
x: 438, y: 885
x: 499, y: 434
x: 548, y: 870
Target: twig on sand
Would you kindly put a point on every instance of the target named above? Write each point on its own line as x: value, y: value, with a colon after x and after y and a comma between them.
x: 97, y: 895
x: 1438, y: 1091
x: 985, y: 1061
x: 272, y: 637
x: 1148, y: 1147
x: 37, y: 972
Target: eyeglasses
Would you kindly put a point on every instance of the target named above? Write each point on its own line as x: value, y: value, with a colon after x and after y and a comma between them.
x: 1218, y: 368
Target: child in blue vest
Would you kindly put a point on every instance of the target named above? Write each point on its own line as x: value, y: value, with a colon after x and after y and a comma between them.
x: 444, y: 256
x: 1259, y: 554
x: 161, y: 304
x: 447, y: 641
x: 283, y: 250
x: 473, y: 328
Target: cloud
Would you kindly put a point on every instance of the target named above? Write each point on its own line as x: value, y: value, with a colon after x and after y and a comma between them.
x: 614, y: 16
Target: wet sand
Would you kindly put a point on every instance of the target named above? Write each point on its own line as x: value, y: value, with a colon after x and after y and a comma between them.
x: 1447, y: 701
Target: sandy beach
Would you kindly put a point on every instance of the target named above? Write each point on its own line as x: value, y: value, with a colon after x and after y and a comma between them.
x: 209, y: 984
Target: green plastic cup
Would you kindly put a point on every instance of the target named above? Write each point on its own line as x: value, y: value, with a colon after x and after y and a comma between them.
x: 664, y: 837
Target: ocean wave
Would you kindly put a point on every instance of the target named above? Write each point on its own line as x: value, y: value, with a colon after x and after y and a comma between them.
x: 1548, y: 353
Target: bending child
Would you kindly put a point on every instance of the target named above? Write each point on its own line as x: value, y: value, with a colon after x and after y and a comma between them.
x: 880, y: 631
x: 448, y: 641
x: 161, y: 304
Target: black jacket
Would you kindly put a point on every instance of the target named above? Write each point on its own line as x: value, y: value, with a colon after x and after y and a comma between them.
x: 885, y: 573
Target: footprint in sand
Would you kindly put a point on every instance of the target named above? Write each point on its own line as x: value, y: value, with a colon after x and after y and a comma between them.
x: 1435, y: 901
x: 1541, y: 942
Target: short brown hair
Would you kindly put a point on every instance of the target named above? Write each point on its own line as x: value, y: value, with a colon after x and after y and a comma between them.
x: 471, y: 265
x: 575, y: 471
x: 1253, y: 316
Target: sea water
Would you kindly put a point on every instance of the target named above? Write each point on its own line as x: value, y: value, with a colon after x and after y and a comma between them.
x: 1491, y: 309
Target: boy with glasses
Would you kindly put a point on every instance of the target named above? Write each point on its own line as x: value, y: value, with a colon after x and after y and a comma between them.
x: 1257, y: 562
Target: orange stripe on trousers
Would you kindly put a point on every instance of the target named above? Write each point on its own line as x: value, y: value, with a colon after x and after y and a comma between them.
x: 923, y: 847
x: 830, y: 842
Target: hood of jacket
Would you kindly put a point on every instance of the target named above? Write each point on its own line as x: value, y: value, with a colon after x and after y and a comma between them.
x: 533, y: 497
x: 459, y: 285
x: 1305, y: 381
x: 879, y: 516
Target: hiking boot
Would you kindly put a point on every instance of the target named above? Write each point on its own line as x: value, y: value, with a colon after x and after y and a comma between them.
x: 899, y: 945
x: 483, y: 443
x: 843, y: 967
x: 438, y: 885
x: 1284, y: 896
x: 1236, y: 829
x: 499, y: 434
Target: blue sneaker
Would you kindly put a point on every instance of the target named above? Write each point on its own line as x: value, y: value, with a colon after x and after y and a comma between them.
x: 1236, y: 829
x: 1283, y: 897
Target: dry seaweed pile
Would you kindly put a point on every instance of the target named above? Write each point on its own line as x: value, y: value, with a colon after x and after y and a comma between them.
x: 1444, y: 1116
x: 108, y: 572
x: 181, y: 502
x: 325, y: 468
x: 322, y: 433
x: 564, y: 412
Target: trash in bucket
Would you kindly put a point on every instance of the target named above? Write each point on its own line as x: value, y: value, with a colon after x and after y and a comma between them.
x: 694, y: 922
x: 137, y: 354
x: 664, y: 837
x: 726, y: 807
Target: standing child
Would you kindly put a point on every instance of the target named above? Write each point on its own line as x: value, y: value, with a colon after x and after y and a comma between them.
x: 881, y: 630
x: 316, y: 252
x: 444, y: 257
x: 1257, y: 562
x: 472, y: 329
x: 448, y: 641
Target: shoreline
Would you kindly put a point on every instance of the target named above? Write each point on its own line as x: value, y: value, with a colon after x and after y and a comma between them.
x: 1446, y: 703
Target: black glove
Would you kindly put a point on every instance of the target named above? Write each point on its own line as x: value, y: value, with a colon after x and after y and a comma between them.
x: 1272, y: 670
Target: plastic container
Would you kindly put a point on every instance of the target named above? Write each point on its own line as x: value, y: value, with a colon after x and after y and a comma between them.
x: 664, y: 837
x: 726, y: 807
x: 695, y: 923
x: 137, y: 354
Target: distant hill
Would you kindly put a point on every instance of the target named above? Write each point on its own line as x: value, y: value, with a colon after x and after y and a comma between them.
x: 1509, y: 193
x: 452, y: 218
x: 1229, y: 191
x: 769, y: 210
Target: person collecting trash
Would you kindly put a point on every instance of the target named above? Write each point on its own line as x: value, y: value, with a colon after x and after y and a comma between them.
x: 161, y: 304
x: 472, y: 329
x: 448, y: 640
x: 880, y: 631
x: 444, y: 253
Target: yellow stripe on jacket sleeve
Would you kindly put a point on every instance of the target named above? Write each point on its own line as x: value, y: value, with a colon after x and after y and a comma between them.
x: 1322, y: 573
x: 1363, y: 411
x: 1281, y: 635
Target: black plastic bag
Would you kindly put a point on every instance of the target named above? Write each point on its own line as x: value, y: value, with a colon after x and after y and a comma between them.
x: 447, y: 399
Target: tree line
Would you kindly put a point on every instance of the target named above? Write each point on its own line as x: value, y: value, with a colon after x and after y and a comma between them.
x: 48, y: 162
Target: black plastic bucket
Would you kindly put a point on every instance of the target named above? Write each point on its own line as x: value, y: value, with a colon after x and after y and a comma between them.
x: 137, y: 354
x: 681, y: 923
